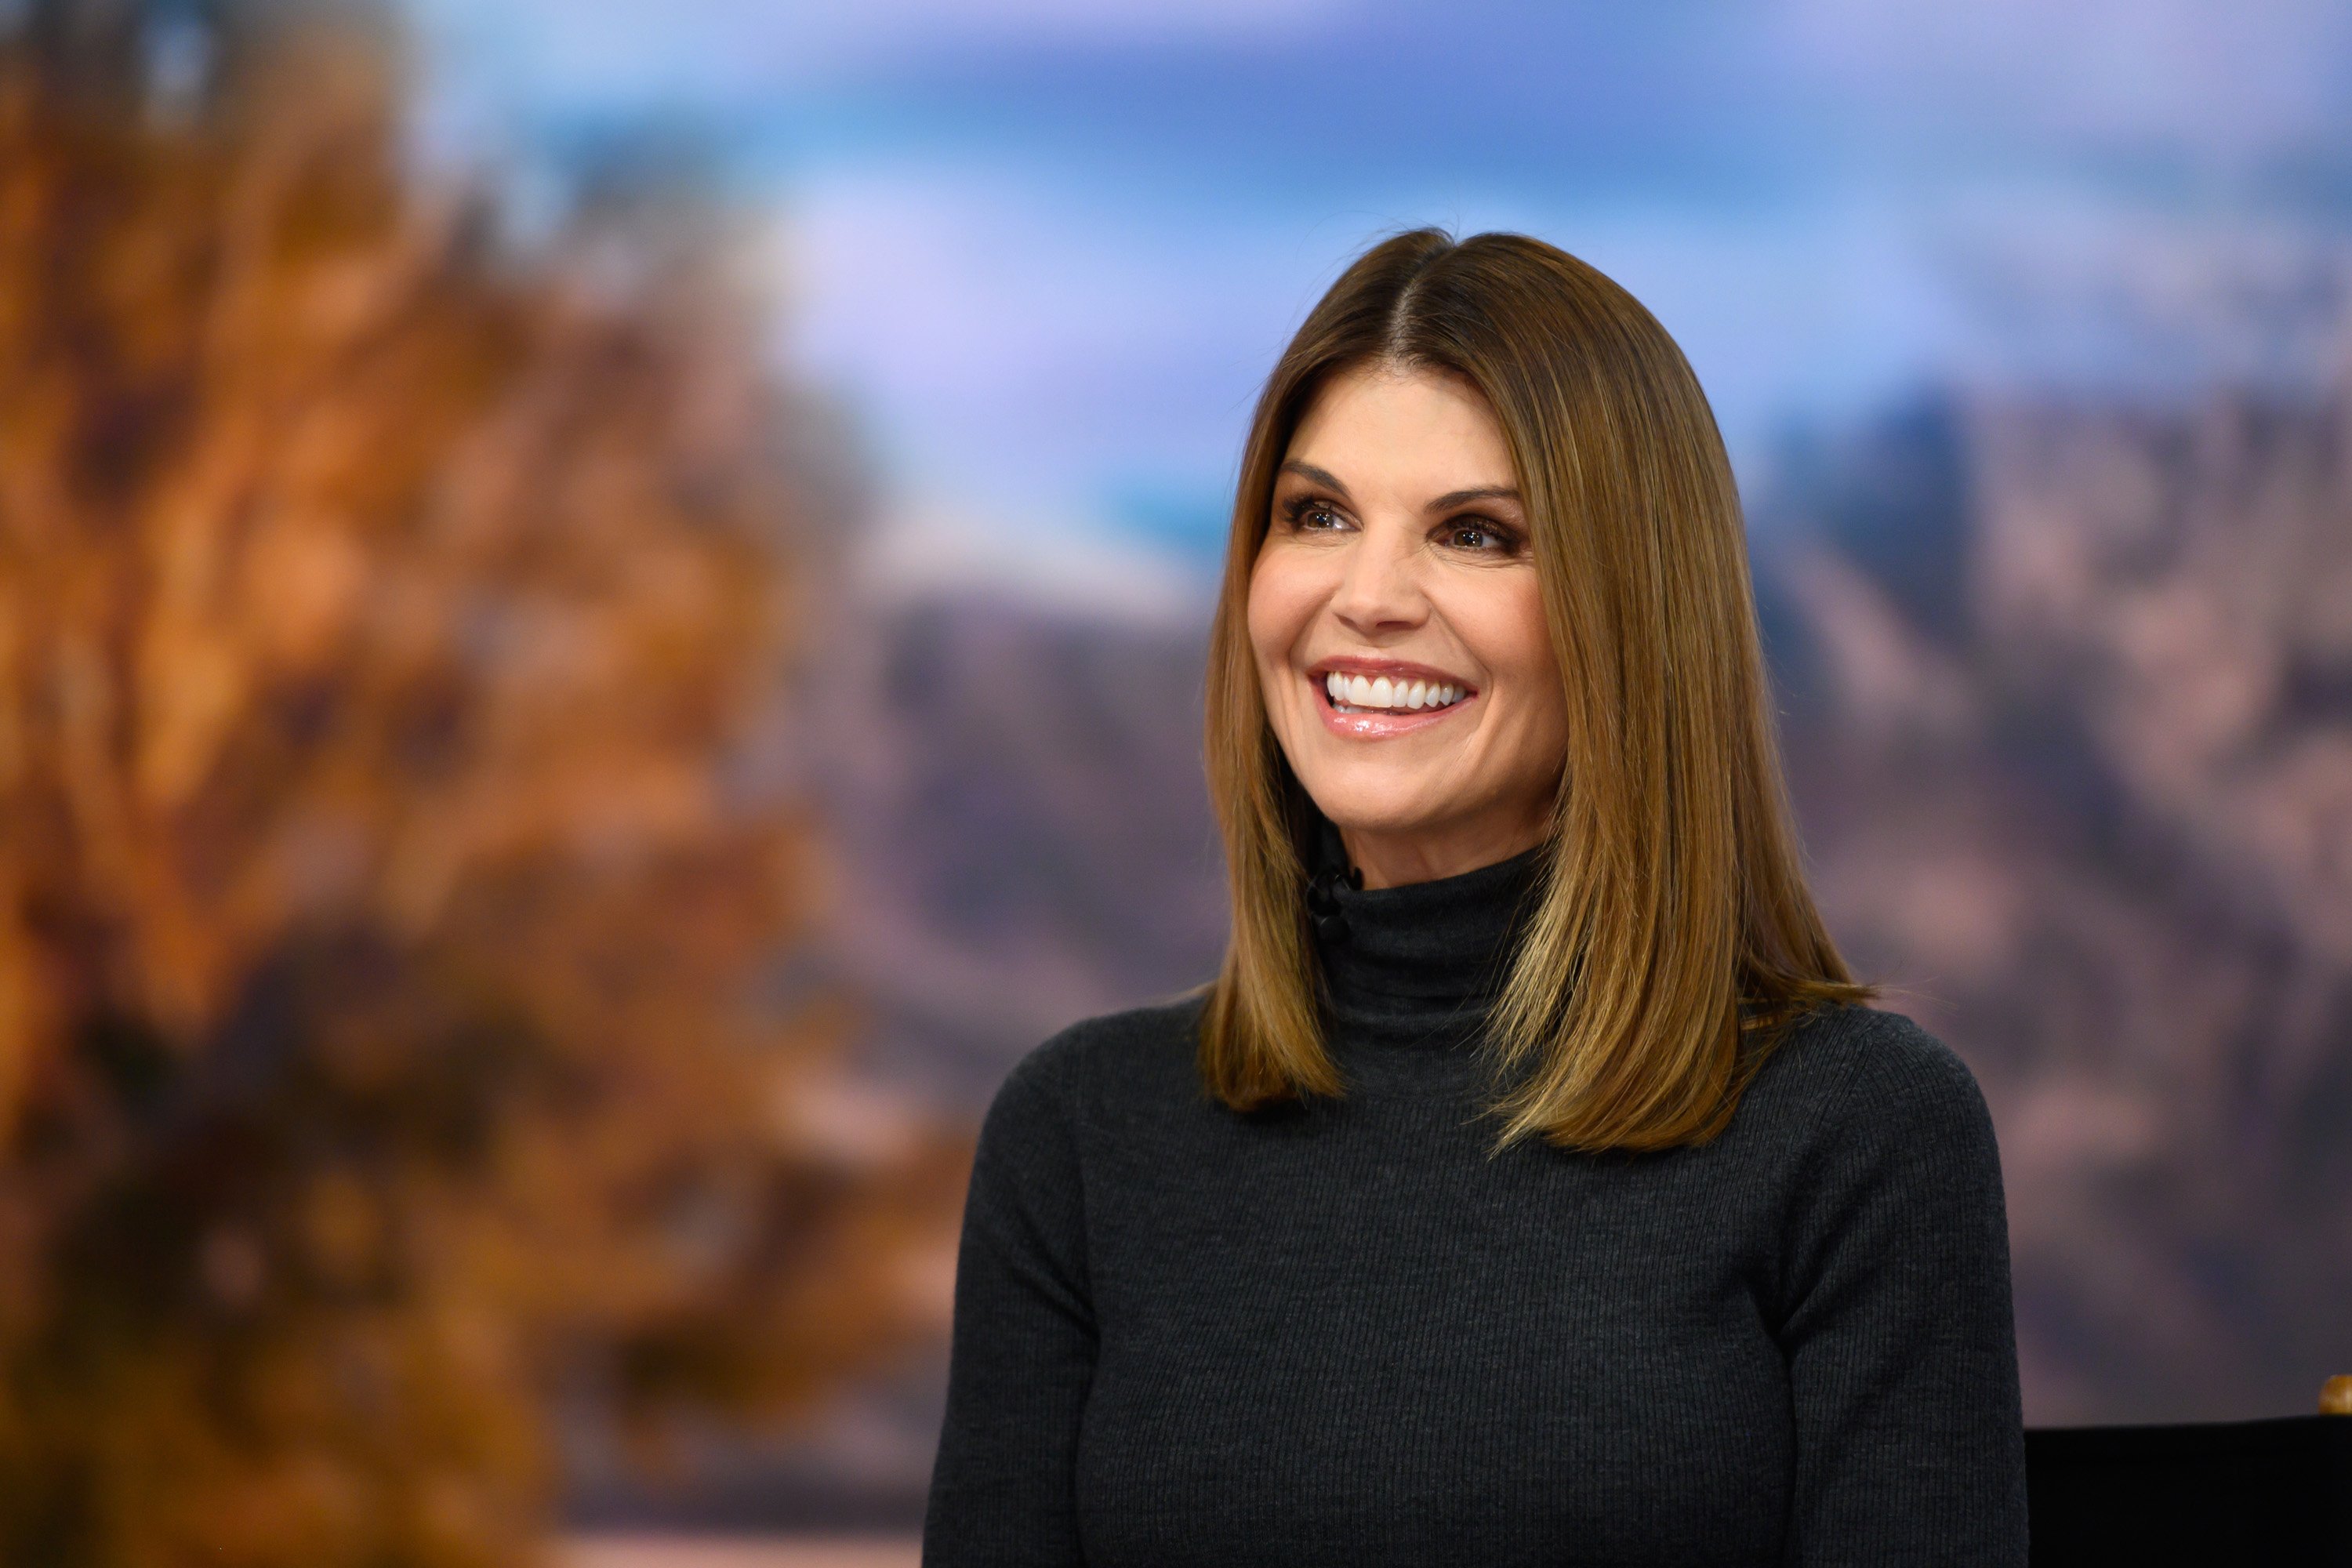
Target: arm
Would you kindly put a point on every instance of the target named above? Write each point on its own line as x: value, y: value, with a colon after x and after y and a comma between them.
x: 1900, y: 1338
x: 1024, y: 1346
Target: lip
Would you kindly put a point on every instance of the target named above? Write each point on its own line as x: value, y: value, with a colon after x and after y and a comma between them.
x: 1386, y: 725
x: 1370, y: 669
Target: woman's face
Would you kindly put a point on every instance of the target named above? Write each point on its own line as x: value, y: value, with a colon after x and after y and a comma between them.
x: 1400, y: 632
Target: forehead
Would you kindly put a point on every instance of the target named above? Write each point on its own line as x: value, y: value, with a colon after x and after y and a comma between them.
x: 1406, y: 427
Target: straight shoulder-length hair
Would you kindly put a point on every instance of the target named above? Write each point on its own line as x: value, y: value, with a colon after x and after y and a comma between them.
x: 1672, y: 941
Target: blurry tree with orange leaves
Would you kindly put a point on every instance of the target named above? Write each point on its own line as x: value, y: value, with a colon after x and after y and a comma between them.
x: 386, y: 619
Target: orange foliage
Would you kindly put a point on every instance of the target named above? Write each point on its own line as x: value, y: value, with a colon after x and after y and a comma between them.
x: 383, y: 623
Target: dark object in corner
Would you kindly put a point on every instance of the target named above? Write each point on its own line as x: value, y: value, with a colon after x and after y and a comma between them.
x: 2273, y: 1492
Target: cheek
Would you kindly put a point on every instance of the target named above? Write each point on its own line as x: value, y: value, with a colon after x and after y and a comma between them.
x: 1534, y: 656
x: 1500, y: 616
x: 1282, y: 600
x: 1506, y: 631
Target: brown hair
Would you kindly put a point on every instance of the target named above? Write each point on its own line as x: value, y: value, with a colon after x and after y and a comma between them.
x: 1673, y: 940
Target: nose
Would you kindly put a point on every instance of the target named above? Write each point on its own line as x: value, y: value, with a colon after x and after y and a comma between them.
x: 1379, y: 592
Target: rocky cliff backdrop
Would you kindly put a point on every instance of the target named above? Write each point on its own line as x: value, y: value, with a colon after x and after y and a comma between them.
x: 2066, y: 690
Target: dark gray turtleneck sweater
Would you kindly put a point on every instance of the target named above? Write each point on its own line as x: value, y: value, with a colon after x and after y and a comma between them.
x: 1341, y: 1333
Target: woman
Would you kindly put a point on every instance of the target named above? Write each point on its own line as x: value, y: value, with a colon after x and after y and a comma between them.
x: 1532, y: 1185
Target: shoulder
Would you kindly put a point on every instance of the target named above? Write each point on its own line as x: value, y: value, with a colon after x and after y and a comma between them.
x: 1841, y: 1072
x: 1893, y: 1235
x: 1031, y: 1151
x: 1141, y: 1053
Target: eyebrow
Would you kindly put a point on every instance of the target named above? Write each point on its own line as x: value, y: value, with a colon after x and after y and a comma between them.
x: 1453, y: 499
x: 1312, y: 475
x: 1445, y: 502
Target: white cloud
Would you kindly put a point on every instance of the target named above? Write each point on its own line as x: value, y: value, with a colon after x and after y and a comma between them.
x: 1017, y: 345
x: 656, y: 52
x: 1077, y: 567
x: 2232, y: 78
x: 1028, y: 337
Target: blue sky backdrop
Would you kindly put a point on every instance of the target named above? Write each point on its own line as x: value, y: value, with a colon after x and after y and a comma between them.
x: 1044, y: 250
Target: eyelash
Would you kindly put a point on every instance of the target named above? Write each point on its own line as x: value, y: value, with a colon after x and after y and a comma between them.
x: 1296, y: 508
x: 1506, y: 540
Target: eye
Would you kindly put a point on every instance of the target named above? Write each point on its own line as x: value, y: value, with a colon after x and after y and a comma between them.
x: 1476, y: 533
x: 1314, y: 516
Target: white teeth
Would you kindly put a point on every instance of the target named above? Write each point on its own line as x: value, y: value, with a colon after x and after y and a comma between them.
x: 1395, y: 695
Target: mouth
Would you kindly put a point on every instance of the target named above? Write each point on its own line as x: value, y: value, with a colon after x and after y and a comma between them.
x: 1368, y: 700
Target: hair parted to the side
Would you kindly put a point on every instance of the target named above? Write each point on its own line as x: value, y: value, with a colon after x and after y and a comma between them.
x: 1674, y: 940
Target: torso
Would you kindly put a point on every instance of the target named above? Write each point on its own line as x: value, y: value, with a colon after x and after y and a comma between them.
x: 1343, y: 1333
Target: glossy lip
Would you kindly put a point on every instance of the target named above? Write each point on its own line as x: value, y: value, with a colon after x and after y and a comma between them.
x: 1384, y: 725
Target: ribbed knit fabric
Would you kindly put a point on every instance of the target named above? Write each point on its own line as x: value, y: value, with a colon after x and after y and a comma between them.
x: 1342, y: 1333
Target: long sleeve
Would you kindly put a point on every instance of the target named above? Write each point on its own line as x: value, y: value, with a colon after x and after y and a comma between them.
x: 1022, y: 1354
x: 1899, y: 1334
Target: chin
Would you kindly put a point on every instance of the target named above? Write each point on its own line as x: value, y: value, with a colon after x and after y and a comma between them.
x: 1373, y: 808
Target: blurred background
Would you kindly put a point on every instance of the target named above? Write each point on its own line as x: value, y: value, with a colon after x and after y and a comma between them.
x: 602, y: 619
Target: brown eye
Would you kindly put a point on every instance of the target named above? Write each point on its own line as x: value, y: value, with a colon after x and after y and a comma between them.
x: 1475, y: 535
x: 1311, y: 514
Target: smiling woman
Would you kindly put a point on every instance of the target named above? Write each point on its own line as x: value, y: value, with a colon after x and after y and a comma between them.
x: 1541, y: 505
x: 1532, y: 1185
x: 1395, y: 600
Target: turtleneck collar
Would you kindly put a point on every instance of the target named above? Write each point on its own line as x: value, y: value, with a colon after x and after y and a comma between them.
x: 1412, y: 959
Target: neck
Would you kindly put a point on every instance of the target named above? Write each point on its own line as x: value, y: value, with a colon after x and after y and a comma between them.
x: 1400, y: 860
x: 1416, y: 961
